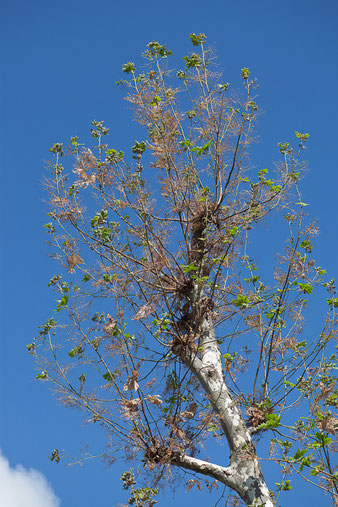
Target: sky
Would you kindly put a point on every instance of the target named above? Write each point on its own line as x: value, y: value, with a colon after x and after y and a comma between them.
x: 60, y: 62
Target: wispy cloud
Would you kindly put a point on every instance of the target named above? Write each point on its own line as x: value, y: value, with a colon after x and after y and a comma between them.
x: 22, y: 487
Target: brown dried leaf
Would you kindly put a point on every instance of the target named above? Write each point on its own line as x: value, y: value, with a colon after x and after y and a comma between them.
x: 73, y: 260
x: 324, y: 391
x: 191, y: 483
x: 132, y: 384
x: 257, y: 416
x: 190, y: 412
x: 150, y: 383
x: 130, y: 407
x: 154, y: 399
x: 143, y: 312
x: 110, y: 326
x: 330, y: 425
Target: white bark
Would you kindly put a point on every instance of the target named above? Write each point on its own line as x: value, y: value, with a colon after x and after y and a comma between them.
x: 244, y: 472
x: 253, y: 490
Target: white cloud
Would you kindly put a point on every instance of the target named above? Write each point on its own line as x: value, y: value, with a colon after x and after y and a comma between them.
x: 21, y: 487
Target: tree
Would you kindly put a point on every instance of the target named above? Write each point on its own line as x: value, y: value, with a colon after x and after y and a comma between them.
x: 165, y: 308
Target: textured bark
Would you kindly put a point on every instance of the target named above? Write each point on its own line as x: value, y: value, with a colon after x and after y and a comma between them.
x: 244, y: 473
x: 243, y: 476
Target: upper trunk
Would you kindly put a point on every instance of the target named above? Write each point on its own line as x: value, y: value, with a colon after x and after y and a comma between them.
x: 244, y: 473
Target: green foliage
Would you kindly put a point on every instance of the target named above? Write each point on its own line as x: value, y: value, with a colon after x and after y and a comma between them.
x: 100, y: 218
x: 197, y: 40
x: 302, y: 137
x: 128, y: 68
x: 229, y: 358
x: 155, y: 100
x: 139, y: 497
x: 50, y: 228
x: 245, y: 73
x: 272, y: 422
x: 332, y: 302
x: 285, y: 148
x: 201, y: 150
x: 99, y: 130
x: 31, y: 347
x: 110, y: 376
x: 114, y: 156
x: 62, y: 302
x: 57, y: 149
x: 306, y: 288
x: 190, y: 267
x: 193, y: 61
x: 46, y: 328
x: 284, y: 486
x: 76, y: 351
x: 223, y: 87
x: 191, y: 114
x: 157, y: 50
x: 242, y: 301
x: 55, y: 456
x: 164, y: 239
x: 139, y: 148
x: 306, y: 244
x: 42, y: 376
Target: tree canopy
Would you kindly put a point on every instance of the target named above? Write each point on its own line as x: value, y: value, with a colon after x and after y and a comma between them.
x: 168, y: 331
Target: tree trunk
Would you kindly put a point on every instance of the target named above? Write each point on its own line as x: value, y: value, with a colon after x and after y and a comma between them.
x: 244, y: 473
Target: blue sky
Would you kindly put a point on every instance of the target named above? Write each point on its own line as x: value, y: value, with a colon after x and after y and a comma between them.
x: 60, y: 62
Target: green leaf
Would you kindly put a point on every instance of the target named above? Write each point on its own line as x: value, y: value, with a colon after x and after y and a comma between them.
x: 254, y: 279
x: 299, y: 454
x: 272, y: 421
x: 333, y: 302
x: 44, y: 329
x: 73, y: 140
x: 284, y: 486
x: 128, y: 67
x: 139, y: 147
x: 197, y: 40
x: 62, y: 302
x: 76, y: 351
x: 306, y: 462
x: 110, y: 376
x: 191, y: 114
x: 42, y: 375
x: 245, y: 73
x: 232, y: 232
x: 155, y: 101
x: 306, y: 244
x: 323, y: 439
x: 242, y: 301
x: 190, y: 267
x: 113, y: 156
x: 157, y: 50
x: 57, y: 148
x: 50, y: 228
x: 284, y: 148
x: 303, y: 137
x: 201, y: 150
x: 31, y: 347
x: 193, y: 61
x: 306, y: 288
x: 223, y: 87
x: 55, y: 456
